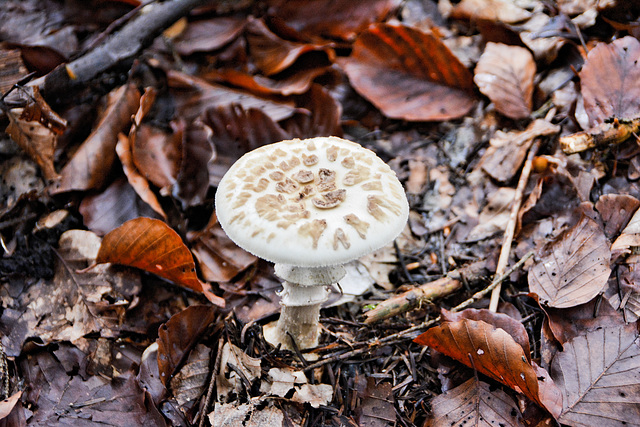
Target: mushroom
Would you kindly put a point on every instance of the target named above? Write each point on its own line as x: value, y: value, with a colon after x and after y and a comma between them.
x: 309, y: 206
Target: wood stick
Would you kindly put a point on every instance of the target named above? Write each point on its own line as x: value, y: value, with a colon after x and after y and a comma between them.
x: 511, y: 225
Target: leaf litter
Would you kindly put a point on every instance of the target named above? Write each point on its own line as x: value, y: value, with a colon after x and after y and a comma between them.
x: 159, y: 322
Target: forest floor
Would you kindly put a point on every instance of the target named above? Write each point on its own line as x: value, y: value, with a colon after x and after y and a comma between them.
x: 511, y: 298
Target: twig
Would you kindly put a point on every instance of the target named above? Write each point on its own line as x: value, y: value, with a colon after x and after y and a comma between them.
x: 513, y: 219
x: 212, y: 383
x: 370, y: 345
x: 121, y: 47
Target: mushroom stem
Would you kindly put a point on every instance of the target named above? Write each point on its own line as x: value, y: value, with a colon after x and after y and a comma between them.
x: 304, y: 291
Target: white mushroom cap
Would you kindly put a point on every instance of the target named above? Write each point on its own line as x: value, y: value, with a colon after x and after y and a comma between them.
x: 311, y: 203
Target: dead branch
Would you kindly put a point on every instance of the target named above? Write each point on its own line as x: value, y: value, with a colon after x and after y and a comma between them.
x: 121, y: 47
x: 420, y: 295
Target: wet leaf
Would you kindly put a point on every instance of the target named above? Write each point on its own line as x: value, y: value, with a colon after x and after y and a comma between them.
x: 474, y: 403
x: 599, y: 375
x: 178, y: 336
x: 505, y: 75
x: 151, y: 245
x: 609, y: 81
x: 409, y: 74
x: 574, y: 268
x: 493, y: 352
x: 342, y: 19
x: 90, y: 165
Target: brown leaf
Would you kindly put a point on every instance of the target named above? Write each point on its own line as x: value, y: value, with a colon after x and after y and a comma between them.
x: 491, y: 351
x: 574, y: 268
x: 610, y: 81
x: 36, y: 140
x: 135, y: 178
x: 505, y: 75
x: 499, y: 320
x: 507, y: 150
x: 337, y: 19
x: 377, y: 399
x: 219, y: 258
x: 324, y: 117
x: 151, y: 245
x: 491, y: 10
x: 189, y: 384
x: 409, y: 74
x: 193, y: 177
x: 90, y: 165
x: 117, y: 204
x: 598, y: 374
x: 474, y: 403
x: 237, y: 130
x: 273, y: 54
x: 208, y: 35
x: 179, y: 335
x: 616, y: 211
x: 193, y: 96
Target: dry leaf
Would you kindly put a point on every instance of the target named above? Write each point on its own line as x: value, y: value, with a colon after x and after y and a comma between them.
x: 574, y: 268
x: 599, y: 375
x: 189, y: 383
x: 228, y: 381
x: 151, y: 245
x: 506, y: 11
x: 616, y: 211
x: 409, y: 74
x: 208, y: 35
x: 474, y: 403
x: 505, y: 75
x: 610, y: 81
x: 90, y: 165
x: 494, y: 216
x: 493, y: 352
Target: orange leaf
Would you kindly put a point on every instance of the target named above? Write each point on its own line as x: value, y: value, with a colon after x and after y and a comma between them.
x: 151, y: 245
x: 493, y: 352
x: 409, y: 74
x: 505, y: 75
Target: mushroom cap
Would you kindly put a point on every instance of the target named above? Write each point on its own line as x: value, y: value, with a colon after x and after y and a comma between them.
x: 312, y: 202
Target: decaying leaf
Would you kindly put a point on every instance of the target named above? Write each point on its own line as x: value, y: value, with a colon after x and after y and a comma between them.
x: 506, y: 11
x: 507, y: 150
x: 616, y: 210
x: 474, y: 403
x: 493, y: 352
x: 630, y: 236
x: 377, y: 402
x: 208, y: 35
x: 610, y: 81
x: 574, y: 268
x: 247, y: 415
x: 409, y: 74
x: 151, y: 245
x: 90, y: 165
x: 495, y: 215
x: 177, y: 337
x: 190, y: 382
x: 236, y: 368
x: 599, y: 375
x: 505, y: 75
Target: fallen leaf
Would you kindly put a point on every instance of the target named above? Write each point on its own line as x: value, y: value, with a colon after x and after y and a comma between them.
x: 616, y: 210
x: 505, y: 75
x: 247, y: 415
x: 90, y: 166
x: 610, y: 81
x: 574, y: 268
x: 505, y: 11
x: 507, y: 150
x: 111, y: 208
x: 630, y: 236
x: 377, y: 404
x: 193, y: 177
x: 491, y: 351
x: 280, y: 381
x: 7, y: 405
x: 189, y: 383
x: 409, y: 74
x: 193, y: 96
x: 338, y: 19
x: 228, y: 381
x: 208, y: 35
x: 138, y: 182
x: 474, y: 403
x: 178, y: 336
x: 599, y: 375
x: 313, y: 394
x: 151, y: 245
x: 273, y: 54
x: 495, y: 215
x: 219, y: 258
x: 323, y: 118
